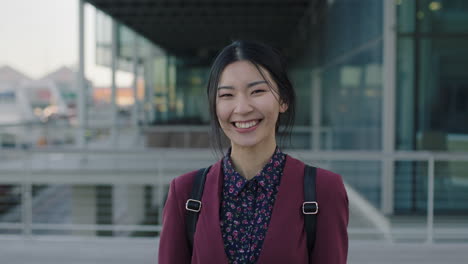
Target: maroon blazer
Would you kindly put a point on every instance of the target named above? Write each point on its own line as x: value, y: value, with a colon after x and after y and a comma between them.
x: 285, y: 240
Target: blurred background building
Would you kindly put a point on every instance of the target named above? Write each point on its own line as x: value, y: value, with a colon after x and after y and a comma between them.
x: 382, y: 92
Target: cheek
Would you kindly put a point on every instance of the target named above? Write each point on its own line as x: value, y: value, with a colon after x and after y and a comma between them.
x: 270, y: 108
x: 221, y: 113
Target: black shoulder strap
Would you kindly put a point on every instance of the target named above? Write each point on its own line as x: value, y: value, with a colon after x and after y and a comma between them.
x: 310, y: 206
x: 193, y: 204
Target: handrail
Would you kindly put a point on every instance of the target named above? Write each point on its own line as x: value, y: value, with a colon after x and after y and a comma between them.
x: 334, y: 154
x: 26, y: 176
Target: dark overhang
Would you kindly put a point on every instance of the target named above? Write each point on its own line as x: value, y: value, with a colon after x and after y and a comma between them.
x: 201, y: 27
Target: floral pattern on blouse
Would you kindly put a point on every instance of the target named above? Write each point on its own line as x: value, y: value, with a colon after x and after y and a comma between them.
x: 247, y: 206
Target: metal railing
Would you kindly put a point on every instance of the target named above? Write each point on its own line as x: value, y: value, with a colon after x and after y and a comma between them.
x: 28, y: 169
x: 32, y: 134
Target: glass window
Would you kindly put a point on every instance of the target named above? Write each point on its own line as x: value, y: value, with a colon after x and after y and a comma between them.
x: 443, y: 16
x: 405, y: 94
x: 432, y: 100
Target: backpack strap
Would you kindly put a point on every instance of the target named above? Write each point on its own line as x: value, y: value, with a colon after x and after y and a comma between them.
x: 310, y: 206
x: 194, y: 205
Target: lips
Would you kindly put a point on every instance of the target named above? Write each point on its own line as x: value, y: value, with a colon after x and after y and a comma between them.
x: 246, y: 124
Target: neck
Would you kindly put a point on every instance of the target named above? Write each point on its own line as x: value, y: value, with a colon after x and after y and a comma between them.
x: 249, y: 161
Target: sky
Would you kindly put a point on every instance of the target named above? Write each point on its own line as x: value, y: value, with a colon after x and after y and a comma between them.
x: 39, y: 36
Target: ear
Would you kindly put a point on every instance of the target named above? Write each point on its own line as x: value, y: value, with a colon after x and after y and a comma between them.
x: 283, y: 107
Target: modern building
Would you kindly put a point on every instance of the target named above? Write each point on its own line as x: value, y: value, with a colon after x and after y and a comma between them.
x: 382, y: 92
x: 372, y: 75
x: 46, y: 101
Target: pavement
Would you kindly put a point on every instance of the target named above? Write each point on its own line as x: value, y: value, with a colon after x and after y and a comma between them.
x: 76, y: 250
x: 367, y: 252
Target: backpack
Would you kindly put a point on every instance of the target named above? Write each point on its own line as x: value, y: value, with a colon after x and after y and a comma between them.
x: 309, y: 207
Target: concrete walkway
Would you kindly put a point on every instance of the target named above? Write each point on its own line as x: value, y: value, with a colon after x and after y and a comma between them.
x: 371, y: 252
x: 55, y: 250
x: 77, y: 251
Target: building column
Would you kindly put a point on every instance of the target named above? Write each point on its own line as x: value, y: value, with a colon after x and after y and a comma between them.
x: 388, y: 106
x: 83, y: 205
x: 150, y: 91
x: 316, y: 109
x: 135, y: 109
x: 114, y: 117
x: 80, y: 81
x: 135, y: 81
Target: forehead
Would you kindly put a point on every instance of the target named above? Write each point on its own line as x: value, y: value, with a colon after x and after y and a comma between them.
x: 242, y: 72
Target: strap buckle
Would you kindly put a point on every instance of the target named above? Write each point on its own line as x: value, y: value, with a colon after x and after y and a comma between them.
x: 193, y: 205
x: 310, y: 208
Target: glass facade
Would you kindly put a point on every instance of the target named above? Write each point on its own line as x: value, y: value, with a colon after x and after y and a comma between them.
x: 345, y: 49
x: 432, y: 80
x: 352, y: 82
x: 174, y: 88
x: 103, y: 39
x: 146, y: 54
x: 192, y: 102
x: 340, y: 62
x: 432, y: 100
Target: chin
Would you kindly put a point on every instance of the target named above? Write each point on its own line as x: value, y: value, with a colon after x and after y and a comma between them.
x: 243, y: 145
x: 249, y: 143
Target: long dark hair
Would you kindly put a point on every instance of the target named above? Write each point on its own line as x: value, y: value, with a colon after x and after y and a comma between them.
x: 262, y: 56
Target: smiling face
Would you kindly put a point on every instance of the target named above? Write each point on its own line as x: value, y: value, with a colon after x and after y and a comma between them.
x: 247, y: 107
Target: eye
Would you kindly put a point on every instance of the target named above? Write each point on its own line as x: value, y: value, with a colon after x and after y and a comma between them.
x: 257, y: 91
x: 225, y: 95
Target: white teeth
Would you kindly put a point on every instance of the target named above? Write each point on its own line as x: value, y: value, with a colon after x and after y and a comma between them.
x: 245, y: 124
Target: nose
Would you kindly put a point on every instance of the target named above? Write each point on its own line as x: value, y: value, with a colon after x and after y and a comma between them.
x: 243, y: 106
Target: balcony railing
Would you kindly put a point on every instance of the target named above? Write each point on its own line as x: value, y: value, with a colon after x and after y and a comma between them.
x: 121, y: 193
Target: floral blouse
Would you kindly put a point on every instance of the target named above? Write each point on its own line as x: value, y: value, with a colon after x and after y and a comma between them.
x: 247, y: 206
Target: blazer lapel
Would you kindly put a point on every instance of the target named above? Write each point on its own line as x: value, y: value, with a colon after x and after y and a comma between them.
x: 208, y: 226
x: 286, y: 217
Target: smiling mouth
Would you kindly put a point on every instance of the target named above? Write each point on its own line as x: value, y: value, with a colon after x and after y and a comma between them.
x: 247, y: 124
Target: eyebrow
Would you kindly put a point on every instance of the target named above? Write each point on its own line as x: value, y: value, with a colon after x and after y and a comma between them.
x: 248, y: 85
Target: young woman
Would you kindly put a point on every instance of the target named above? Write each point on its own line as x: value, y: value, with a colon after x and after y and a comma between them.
x: 252, y: 198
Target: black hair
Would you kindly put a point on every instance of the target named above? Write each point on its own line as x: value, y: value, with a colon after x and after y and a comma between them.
x: 260, y: 55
